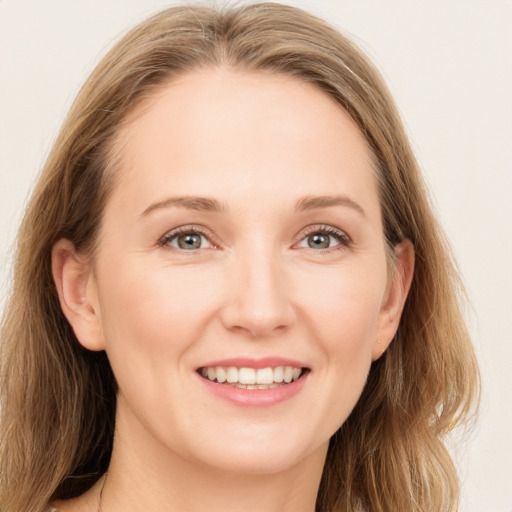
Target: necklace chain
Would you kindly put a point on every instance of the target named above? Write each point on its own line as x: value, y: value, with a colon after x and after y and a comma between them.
x: 100, y: 501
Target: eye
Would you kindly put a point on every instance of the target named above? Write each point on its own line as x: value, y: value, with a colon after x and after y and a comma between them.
x: 186, y: 239
x: 325, y: 237
x: 320, y: 241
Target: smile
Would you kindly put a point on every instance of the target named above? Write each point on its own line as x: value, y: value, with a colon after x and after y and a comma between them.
x: 252, y: 378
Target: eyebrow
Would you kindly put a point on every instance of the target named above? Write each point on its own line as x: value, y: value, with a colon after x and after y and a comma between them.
x: 188, y: 202
x: 212, y: 205
x: 314, y: 202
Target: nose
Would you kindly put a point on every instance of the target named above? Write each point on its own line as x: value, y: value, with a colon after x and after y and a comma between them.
x: 257, y: 296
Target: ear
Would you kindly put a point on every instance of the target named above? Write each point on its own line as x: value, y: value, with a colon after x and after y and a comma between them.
x: 78, y: 295
x: 394, y: 301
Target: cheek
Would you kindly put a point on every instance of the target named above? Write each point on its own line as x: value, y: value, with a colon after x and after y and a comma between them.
x: 155, y: 307
x: 152, y: 315
x: 344, y: 307
x: 339, y: 309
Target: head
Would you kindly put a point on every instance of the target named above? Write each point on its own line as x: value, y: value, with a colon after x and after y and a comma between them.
x: 423, y: 379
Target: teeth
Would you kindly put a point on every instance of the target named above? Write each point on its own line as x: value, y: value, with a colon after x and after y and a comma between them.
x: 232, y: 374
x: 251, y: 378
x: 264, y: 376
x: 221, y: 374
x: 255, y: 386
x: 246, y: 376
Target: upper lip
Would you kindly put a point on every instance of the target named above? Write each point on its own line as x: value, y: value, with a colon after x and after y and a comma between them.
x: 247, y: 362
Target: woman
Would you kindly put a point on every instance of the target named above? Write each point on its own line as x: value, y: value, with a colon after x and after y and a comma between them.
x: 230, y: 290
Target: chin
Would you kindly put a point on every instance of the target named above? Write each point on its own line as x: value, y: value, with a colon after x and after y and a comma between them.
x: 259, y: 455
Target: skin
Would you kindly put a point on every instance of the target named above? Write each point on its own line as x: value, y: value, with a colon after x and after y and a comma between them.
x: 255, y: 288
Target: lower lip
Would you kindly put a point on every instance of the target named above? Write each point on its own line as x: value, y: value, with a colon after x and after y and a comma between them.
x: 255, y: 397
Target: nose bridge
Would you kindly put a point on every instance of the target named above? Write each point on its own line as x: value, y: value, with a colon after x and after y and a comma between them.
x: 259, y: 301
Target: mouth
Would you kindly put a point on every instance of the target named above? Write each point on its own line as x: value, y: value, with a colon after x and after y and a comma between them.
x: 252, y: 378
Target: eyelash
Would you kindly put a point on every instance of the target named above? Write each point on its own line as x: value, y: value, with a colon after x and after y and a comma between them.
x: 343, y: 239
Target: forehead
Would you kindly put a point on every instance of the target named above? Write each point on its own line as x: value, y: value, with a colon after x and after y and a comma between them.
x: 234, y: 134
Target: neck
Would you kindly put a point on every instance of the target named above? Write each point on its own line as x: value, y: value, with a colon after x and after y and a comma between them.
x: 142, y: 475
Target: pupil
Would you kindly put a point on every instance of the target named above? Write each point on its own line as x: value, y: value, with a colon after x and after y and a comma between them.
x: 318, y: 241
x: 189, y: 241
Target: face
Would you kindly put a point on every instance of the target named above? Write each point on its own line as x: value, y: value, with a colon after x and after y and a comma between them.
x: 240, y: 287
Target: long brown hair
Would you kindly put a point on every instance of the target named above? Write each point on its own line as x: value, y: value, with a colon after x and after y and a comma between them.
x: 58, y: 399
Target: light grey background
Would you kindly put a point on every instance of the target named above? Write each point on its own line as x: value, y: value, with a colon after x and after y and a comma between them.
x: 449, y: 66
